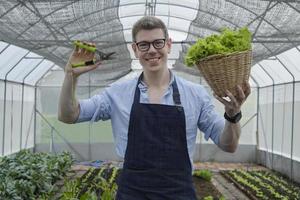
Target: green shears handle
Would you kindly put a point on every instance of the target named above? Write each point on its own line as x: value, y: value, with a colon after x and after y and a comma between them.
x: 87, y: 47
x: 99, y: 55
x: 84, y: 46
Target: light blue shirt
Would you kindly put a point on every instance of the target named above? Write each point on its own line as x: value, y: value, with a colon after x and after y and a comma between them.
x: 115, y: 103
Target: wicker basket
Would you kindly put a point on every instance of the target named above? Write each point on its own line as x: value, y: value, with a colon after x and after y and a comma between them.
x: 224, y: 72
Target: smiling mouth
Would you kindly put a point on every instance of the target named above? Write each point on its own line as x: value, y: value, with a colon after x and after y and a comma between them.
x: 153, y: 59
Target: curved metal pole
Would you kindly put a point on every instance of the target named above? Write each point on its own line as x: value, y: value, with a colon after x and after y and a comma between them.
x: 286, y: 83
x: 273, y: 97
x: 45, y: 16
x: 293, y: 115
x: 35, y: 109
x: 139, y: 15
x: 293, y: 112
x: 142, y: 3
x: 4, y: 102
x: 257, y: 116
x: 265, y: 20
x: 132, y: 4
x: 4, y: 106
x: 4, y: 48
x: 22, y: 102
x: 10, y: 9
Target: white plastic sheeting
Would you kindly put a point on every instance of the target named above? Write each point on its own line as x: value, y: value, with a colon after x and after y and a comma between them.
x: 30, y: 83
x: 20, y: 71
x: 17, y: 117
x: 22, y: 66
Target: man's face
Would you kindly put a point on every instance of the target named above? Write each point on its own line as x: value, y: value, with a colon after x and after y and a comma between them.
x: 155, y: 58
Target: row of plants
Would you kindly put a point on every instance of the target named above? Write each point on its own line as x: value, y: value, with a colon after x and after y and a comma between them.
x: 31, y: 176
x: 203, y: 174
x: 100, y: 183
x: 96, y: 183
x: 204, y: 177
x: 264, y: 184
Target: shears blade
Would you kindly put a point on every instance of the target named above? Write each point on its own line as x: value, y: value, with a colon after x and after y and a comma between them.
x: 104, y: 56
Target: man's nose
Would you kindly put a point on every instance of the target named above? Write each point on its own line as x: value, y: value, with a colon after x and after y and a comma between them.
x: 151, y: 48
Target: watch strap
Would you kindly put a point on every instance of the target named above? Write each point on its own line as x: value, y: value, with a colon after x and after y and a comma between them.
x: 235, y: 119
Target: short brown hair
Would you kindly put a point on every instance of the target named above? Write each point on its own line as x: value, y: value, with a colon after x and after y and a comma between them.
x: 148, y: 23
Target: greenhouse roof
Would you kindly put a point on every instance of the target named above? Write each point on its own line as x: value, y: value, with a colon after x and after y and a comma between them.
x: 45, y: 31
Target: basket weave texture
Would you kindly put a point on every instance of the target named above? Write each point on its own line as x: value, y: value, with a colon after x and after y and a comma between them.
x: 225, y: 72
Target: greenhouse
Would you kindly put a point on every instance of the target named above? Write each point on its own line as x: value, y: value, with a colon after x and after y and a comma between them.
x: 82, y: 160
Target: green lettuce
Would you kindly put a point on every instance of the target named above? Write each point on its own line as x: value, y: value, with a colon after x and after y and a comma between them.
x: 229, y: 41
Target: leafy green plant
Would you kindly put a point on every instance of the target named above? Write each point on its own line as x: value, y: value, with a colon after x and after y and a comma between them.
x: 32, y: 175
x: 222, y: 198
x: 208, y: 198
x: 212, y: 198
x: 70, y: 189
x: 264, y: 184
x: 89, y: 195
x: 204, y: 174
x: 229, y: 41
x: 94, y: 184
x: 109, y: 190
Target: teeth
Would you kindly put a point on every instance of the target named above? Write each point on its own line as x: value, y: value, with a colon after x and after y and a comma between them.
x: 153, y: 59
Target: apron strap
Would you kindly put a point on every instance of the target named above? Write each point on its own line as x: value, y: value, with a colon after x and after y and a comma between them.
x: 176, y: 95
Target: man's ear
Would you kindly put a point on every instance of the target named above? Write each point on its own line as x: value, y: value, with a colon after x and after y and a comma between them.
x: 169, y: 44
x: 134, y: 48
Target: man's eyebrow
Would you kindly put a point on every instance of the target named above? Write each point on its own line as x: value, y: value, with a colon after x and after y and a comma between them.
x: 149, y: 41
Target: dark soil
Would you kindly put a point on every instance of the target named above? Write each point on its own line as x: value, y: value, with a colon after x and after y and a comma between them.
x: 205, y: 188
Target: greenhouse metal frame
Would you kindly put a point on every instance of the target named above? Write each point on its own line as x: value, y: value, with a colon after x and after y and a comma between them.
x: 36, y: 40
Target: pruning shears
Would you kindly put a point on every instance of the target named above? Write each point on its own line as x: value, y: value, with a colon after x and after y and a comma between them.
x: 99, y: 55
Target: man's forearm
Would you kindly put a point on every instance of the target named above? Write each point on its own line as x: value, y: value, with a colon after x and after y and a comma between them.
x: 68, y: 110
x: 230, y: 137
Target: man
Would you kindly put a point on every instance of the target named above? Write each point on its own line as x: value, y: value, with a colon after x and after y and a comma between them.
x: 154, y: 118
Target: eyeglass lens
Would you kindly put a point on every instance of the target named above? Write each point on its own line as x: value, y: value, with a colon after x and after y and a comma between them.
x: 157, y: 44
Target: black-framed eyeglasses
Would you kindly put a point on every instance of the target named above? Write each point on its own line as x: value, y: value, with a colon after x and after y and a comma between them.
x: 145, y: 46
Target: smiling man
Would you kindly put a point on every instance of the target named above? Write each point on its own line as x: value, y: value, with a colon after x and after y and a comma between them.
x: 154, y: 118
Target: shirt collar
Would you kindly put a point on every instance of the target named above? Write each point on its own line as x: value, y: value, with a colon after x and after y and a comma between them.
x: 143, y: 85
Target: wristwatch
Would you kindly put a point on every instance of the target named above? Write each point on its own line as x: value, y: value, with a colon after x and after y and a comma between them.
x: 235, y: 119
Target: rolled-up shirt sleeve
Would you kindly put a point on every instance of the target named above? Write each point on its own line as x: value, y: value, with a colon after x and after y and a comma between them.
x: 210, y: 122
x: 95, y: 108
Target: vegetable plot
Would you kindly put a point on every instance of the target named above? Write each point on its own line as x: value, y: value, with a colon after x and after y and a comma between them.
x: 40, y: 176
x: 100, y: 183
x: 204, y: 188
x: 32, y: 176
x: 96, y: 183
x: 264, y: 185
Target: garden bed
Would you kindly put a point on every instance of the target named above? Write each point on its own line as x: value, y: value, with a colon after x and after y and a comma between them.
x: 30, y: 176
x: 45, y: 177
x: 263, y: 184
x: 101, y: 182
x: 204, y: 189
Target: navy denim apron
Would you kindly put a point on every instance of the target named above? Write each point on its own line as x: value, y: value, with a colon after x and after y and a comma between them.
x: 157, y: 164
